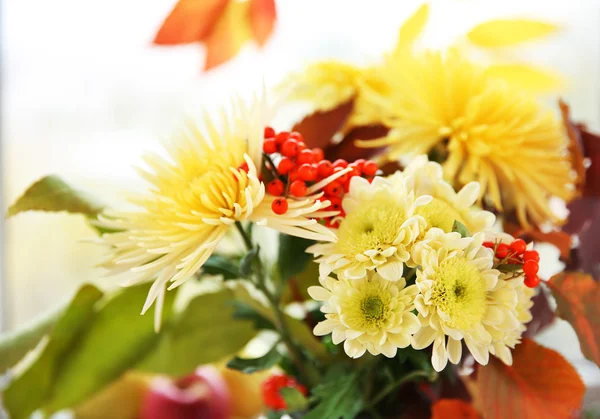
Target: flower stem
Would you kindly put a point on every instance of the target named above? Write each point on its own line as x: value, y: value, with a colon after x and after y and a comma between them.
x: 396, y: 384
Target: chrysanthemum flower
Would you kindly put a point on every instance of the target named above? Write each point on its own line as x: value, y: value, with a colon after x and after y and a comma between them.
x: 208, y: 182
x: 487, y: 130
x: 461, y: 297
x: 426, y: 178
x: 377, y: 231
x: 367, y: 314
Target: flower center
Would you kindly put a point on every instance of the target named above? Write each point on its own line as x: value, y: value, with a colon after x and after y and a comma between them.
x: 459, y: 292
x: 439, y: 214
x: 368, y: 307
x: 373, y: 308
x: 374, y: 225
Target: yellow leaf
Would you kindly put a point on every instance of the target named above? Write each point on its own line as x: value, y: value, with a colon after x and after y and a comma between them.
x: 527, y: 77
x: 508, y: 32
x: 412, y: 28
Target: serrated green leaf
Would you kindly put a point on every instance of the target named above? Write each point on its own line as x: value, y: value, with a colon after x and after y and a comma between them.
x: 294, y: 399
x: 247, y: 260
x: 221, y: 265
x: 340, y: 396
x: 53, y: 194
x: 250, y: 365
x: 460, y: 228
x: 292, y: 258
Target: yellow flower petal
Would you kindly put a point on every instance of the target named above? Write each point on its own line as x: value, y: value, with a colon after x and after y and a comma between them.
x: 412, y: 28
x: 509, y: 32
x: 526, y: 77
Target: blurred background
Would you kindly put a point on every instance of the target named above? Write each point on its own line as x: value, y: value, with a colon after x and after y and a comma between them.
x: 84, y: 93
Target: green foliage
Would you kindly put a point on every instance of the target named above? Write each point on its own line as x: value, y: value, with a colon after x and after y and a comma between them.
x: 294, y: 399
x: 250, y: 365
x: 460, y: 228
x: 228, y: 267
x: 53, y: 194
x: 341, y: 395
x: 247, y: 260
x: 510, y: 267
x: 292, y: 257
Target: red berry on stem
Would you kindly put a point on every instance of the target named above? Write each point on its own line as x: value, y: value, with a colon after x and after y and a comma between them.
x: 336, y: 203
x: 360, y: 163
x: 334, y: 188
x: 244, y: 167
x: 342, y: 179
x: 301, y: 146
x: 269, y: 132
x: 318, y: 154
x: 489, y: 245
x: 276, y: 187
x: 285, y: 166
x: 324, y: 168
x: 305, y: 156
x: 340, y: 163
x: 298, y: 188
x: 370, y: 168
x: 531, y: 255
x: 531, y: 281
x: 279, y: 206
x: 282, y: 137
x: 270, y: 146
x: 289, y: 148
x: 531, y: 268
x: 518, y: 246
x: 271, y: 390
x: 296, y: 136
x: 502, y: 250
x: 307, y: 172
x: 355, y: 170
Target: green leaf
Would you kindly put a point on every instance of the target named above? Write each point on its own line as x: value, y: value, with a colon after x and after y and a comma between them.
x: 221, y: 265
x: 510, y: 267
x: 294, y: 399
x: 292, y: 258
x: 247, y: 260
x: 340, y: 396
x: 250, y: 365
x: 460, y: 228
x: 204, y: 332
x: 53, y: 194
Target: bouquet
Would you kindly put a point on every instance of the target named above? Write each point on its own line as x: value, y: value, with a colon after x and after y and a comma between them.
x: 377, y: 259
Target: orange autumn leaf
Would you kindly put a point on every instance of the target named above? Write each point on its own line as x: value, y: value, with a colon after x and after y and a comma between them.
x: 190, y: 21
x: 453, y: 408
x: 540, y: 384
x: 578, y: 302
x: 262, y: 19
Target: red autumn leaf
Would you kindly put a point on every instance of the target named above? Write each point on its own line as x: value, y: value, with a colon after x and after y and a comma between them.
x: 453, y: 408
x: 540, y: 384
x: 591, y: 149
x: 560, y: 239
x: 543, y: 314
x: 190, y: 21
x: 319, y: 127
x: 262, y: 19
x: 578, y: 302
x: 575, y: 146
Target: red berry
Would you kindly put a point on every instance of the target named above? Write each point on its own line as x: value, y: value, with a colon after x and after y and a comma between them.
x: 532, y: 281
x: 324, y: 168
x: 307, y: 172
x: 282, y: 137
x: 270, y: 146
x: 279, y: 206
x: 289, y: 148
x: 244, y: 167
x: 293, y: 175
x: 518, y: 246
x: 269, y: 132
x: 531, y: 255
x: 355, y: 170
x: 489, y: 245
x: 298, y: 188
x: 305, y: 156
x: 502, y: 250
x: 342, y: 179
x: 285, y: 166
x: 370, y: 168
x: 334, y: 188
x: 531, y: 268
x: 301, y: 146
x: 347, y: 184
x: 318, y: 154
x: 296, y: 136
x: 360, y: 163
x: 340, y: 163
x: 276, y: 187
x: 336, y: 203
x: 271, y: 390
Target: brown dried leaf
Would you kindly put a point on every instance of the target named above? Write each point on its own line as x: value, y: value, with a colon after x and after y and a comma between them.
x: 319, y: 127
x: 347, y: 150
x: 575, y: 146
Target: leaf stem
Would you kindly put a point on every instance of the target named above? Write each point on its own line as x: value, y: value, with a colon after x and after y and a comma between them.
x: 396, y: 384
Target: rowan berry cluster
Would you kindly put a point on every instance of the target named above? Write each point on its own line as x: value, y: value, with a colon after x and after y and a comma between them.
x: 271, y: 390
x: 516, y: 253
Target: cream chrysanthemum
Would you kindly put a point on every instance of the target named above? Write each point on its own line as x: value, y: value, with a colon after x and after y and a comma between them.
x: 377, y: 231
x: 461, y: 297
x: 367, y: 314
x: 196, y: 195
x: 426, y: 178
x: 491, y: 132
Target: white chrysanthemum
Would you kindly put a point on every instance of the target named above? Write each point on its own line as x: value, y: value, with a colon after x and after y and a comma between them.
x: 197, y: 193
x: 425, y: 177
x: 367, y: 314
x: 377, y: 231
x: 462, y: 298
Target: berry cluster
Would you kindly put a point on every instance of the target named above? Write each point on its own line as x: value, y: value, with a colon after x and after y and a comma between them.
x: 271, y: 390
x: 517, y: 254
x: 295, y: 167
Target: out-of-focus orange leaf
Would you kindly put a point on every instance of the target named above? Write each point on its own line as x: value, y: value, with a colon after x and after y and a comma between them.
x: 560, y: 239
x: 262, y: 19
x: 453, y: 408
x: 578, y: 302
x: 575, y: 146
x: 190, y: 21
x: 231, y: 31
x: 319, y: 128
x: 540, y: 384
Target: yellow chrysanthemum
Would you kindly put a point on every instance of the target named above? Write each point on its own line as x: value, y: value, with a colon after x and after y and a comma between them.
x: 367, y: 314
x: 426, y: 178
x: 461, y: 297
x: 196, y: 195
x: 492, y: 133
x: 377, y: 231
